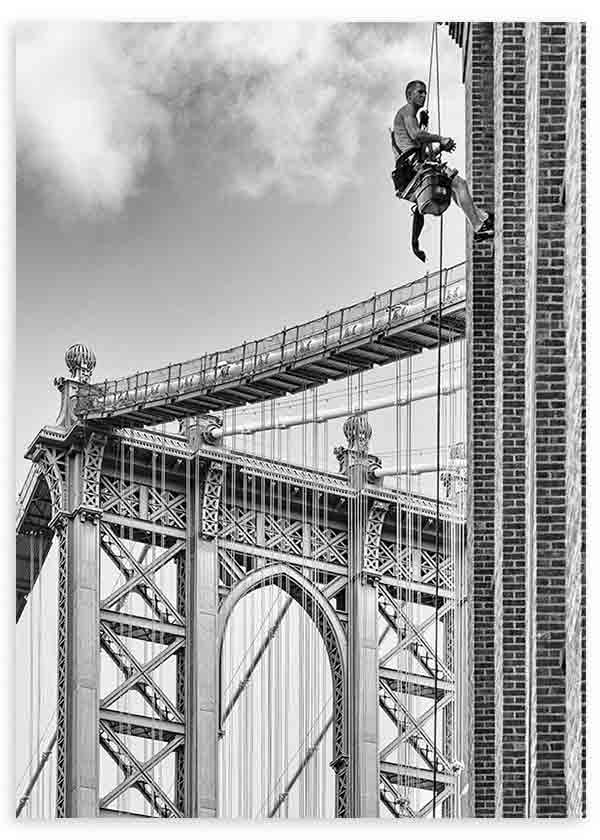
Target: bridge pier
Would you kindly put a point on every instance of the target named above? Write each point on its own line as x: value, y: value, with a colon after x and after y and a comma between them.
x: 202, y: 725
x: 81, y: 668
x: 363, y: 646
x: 79, y: 651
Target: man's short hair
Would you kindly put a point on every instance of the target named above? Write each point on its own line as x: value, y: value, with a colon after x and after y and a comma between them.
x: 412, y: 85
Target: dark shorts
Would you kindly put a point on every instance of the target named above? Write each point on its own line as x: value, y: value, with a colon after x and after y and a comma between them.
x: 404, y: 174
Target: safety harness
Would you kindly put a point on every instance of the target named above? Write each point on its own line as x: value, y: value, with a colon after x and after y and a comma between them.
x: 426, y: 182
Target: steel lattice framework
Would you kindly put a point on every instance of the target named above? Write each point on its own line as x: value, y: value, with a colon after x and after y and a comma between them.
x: 146, y: 539
x: 156, y: 546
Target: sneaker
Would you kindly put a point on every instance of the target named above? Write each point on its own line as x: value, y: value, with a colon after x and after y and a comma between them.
x: 486, y: 231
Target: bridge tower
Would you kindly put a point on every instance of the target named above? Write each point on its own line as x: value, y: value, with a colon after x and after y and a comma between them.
x: 160, y: 536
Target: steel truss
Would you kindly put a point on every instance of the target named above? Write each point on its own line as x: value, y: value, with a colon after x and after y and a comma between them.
x: 144, y: 538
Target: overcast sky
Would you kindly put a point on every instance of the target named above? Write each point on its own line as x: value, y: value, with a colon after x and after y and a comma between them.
x: 184, y: 187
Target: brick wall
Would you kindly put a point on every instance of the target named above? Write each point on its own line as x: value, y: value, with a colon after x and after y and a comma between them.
x: 510, y: 570
x: 531, y: 241
x: 550, y: 426
x: 574, y: 159
x: 583, y: 415
x: 526, y: 421
x: 479, y: 83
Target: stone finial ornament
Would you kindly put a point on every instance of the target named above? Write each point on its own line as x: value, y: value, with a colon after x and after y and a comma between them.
x: 358, y: 431
x: 81, y: 362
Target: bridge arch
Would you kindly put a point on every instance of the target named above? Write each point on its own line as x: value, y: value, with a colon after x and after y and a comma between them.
x: 320, y: 611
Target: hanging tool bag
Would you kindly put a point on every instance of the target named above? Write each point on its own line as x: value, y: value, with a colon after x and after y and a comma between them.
x: 423, y: 182
x: 430, y: 190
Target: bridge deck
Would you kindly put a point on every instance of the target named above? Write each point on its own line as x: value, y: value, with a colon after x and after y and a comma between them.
x: 398, y: 323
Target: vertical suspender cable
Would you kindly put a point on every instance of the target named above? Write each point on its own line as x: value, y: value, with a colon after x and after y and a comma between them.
x: 437, y: 530
x: 30, y: 603
x: 438, y: 447
x: 127, y: 637
x: 40, y: 807
x: 148, y: 610
x: 397, y: 553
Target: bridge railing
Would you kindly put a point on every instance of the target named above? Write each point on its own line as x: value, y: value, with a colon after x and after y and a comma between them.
x: 377, y: 313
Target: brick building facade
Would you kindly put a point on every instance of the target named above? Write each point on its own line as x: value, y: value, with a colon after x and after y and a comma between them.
x: 525, y: 131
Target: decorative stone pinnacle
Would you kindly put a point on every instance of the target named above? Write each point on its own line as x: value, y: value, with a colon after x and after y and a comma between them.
x: 358, y: 431
x: 81, y: 362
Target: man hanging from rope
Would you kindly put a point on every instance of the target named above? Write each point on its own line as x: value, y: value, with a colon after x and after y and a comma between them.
x: 409, y: 133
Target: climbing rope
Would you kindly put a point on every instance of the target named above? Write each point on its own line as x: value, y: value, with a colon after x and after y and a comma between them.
x: 430, y: 67
x: 434, y: 45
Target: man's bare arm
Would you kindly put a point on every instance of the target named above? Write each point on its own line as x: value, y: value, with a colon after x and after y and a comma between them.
x: 418, y: 135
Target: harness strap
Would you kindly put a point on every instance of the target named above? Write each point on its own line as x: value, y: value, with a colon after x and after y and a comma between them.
x: 394, y: 144
x: 402, y: 156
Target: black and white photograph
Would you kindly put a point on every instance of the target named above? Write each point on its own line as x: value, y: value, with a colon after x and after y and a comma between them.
x: 299, y: 418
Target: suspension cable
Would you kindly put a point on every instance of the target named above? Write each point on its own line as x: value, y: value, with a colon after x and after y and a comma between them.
x: 438, y: 454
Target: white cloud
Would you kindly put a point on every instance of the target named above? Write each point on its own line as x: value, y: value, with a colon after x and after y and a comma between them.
x: 283, y: 106
x: 86, y: 127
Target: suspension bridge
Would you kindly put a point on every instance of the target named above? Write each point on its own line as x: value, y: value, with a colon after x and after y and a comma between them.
x: 225, y: 539
x: 338, y: 571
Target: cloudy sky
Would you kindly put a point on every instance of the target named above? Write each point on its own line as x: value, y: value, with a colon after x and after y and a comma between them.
x: 184, y: 187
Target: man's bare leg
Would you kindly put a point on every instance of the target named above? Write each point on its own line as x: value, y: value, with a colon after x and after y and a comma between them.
x: 462, y: 196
